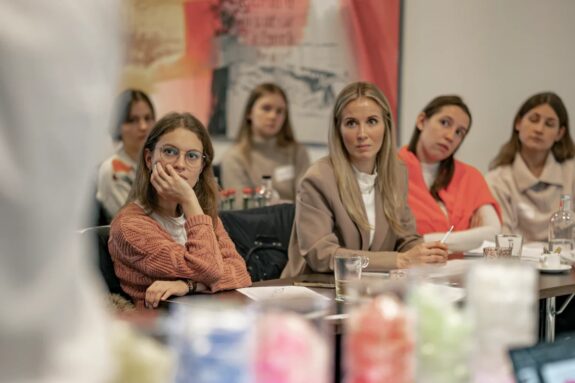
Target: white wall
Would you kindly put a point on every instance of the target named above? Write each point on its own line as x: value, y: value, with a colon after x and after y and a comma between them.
x: 494, y: 53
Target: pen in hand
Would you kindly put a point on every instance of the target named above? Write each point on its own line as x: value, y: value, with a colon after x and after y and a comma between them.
x: 446, y: 235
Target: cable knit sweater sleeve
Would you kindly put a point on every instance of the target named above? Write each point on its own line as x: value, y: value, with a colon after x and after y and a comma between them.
x: 235, y: 271
x: 144, y: 252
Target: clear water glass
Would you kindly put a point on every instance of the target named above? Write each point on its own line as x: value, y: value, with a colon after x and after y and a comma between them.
x: 347, y: 269
x: 514, y: 241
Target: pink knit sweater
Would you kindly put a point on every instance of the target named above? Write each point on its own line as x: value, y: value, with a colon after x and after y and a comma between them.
x: 143, y: 252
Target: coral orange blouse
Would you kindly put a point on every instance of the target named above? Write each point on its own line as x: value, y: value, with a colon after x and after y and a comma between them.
x: 466, y: 193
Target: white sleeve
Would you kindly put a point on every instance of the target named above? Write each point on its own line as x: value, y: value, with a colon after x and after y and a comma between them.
x: 112, y: 195
x: 469, y: 239
x: 60, y: 62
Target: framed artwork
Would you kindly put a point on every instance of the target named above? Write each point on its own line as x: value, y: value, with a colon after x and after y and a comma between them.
x: 205, y: 56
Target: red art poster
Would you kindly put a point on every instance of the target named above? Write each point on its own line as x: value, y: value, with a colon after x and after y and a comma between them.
x: 204, y: 56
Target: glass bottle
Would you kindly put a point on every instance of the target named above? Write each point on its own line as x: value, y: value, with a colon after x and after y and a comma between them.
x: 248, y: 197
x: 259, y: 199
x: 231, y: 199
x: 223, y: 199
x: 561, y: 227
x: 266, y: 195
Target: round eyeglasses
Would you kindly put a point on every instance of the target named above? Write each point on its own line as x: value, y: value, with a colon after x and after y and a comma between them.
x: 170, y: 154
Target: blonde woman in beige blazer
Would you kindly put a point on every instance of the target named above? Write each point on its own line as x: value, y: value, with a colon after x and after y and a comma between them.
x: 354, y: 200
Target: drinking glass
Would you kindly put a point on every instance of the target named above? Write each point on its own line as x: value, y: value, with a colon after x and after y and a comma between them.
x: 378, y: 341
x: 490, y: 252
x: 347, y: 268
x: 211, y: 340
x: 515, y: 241
x: 293, y: 342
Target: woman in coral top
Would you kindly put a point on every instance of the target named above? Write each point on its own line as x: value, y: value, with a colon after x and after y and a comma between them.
x: 168, y: 240
x: 444, y: 192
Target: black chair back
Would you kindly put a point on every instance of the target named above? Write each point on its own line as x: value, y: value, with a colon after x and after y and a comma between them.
x: 261, y: 236
x: 217, y: 169
x: 98, y: 236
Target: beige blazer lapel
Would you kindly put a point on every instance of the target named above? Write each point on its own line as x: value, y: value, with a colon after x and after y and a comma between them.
x: 364, y: 236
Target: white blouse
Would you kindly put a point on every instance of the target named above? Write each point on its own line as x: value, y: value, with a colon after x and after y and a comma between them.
x: 366, y: 184
x: 174, y: 226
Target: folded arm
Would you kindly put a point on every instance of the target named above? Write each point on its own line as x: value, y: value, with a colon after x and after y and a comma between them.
x: 488, y: 226
x: 141, y: 244
x: 317, y: 239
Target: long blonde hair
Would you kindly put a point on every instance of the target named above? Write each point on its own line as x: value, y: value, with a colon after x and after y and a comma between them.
x: 386, y: 163
x: 206, y: 188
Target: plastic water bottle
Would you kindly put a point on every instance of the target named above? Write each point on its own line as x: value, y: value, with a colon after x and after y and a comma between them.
x: 223, y: 199
x: 266, y: 195
x: 561, y: 227
x: 212, y: 342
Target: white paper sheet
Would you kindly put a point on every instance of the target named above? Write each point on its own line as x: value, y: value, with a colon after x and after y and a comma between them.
x: 451, y: 268
x: 531, y: 254
x: 448, y: 293
x: 279, y: 292
x: 478, y: 251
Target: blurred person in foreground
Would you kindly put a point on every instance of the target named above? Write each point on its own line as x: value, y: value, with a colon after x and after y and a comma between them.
x: 60, y: 62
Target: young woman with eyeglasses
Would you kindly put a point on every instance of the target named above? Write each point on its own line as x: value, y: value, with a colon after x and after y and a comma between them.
x: 168, y: 240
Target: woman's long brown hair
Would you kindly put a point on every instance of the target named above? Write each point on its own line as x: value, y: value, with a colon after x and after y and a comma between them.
x: 285, y: 136
x: 446, y: 166
x: 562, y: 149
x: 206, y: 188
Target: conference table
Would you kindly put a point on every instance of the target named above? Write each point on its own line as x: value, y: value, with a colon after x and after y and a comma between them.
x: 550, y: 286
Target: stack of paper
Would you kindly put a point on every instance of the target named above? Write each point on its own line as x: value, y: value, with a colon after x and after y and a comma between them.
x: 279, y: 292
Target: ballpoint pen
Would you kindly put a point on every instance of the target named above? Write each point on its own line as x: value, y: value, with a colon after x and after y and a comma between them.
x: 446, y: 235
